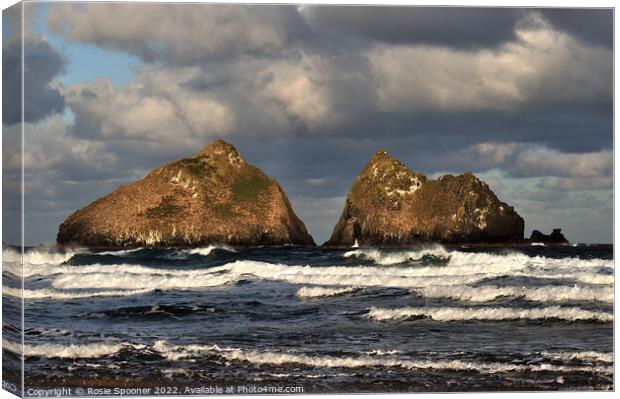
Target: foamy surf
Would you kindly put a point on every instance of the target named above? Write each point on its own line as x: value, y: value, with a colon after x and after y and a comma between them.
x: 487, y: 293
x: 489, y: 313
x: 46, y: 293
x: 448, y: 281
x: 321, y: 292
x: 92, y: 350
x: 174, y: 352
x: 38, y: 256
x: 479, y: 260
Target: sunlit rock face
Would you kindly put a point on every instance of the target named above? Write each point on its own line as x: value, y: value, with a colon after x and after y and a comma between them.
x: 213, y: 197
x: 390, y: 205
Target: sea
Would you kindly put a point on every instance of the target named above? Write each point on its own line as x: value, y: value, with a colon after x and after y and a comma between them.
x: 309, y: 320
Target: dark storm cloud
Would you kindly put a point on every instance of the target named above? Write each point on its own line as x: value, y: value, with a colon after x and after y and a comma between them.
x: 454, y: 27
x: 594, y: 26
x: 42, y: 63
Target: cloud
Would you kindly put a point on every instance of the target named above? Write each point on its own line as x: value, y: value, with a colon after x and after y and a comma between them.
x: 43, y: 63
x: 550, y: 163
x: 527, y: 160
x: 543, y: 66
x: 156, y: 108
x: 577, y: 184
x: 454, y: 27
x: 593, y: 25
x: 178, y: 33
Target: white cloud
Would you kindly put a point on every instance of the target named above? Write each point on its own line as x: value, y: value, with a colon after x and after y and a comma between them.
x: 542, y: 66
x: 155, y: 108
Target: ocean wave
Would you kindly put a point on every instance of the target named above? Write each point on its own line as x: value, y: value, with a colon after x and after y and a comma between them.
x: 319, y: 292
x: 174, y: 352
x: 383, y: 358
x: 508, y: 261
x: 46, y: 293
x: 607, y: 357
x: 207, y: 250
x: 120, y: 252
x: 386, y: 258
x: 137, y: 277
x: 92, y: 350
x: 164, y: 281
x: 542, y: 294
x: 38, y: 256
x: 489, y: 313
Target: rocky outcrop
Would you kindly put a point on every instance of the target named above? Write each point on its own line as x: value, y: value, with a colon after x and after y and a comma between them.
x: 390, y: 205
x: 212, y: 197
x: 556, y: 237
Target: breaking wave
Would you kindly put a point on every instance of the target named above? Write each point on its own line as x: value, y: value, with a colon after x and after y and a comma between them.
x: 38, y: 256
x: 382, y: 358
x: 319, y: 292
x: 480, y: 260
x: 489, y: 313
x: 46, y: 293
x: 174, y: 352
x: 542, y: 294
x: 449, y: 281
x: 92, y: 350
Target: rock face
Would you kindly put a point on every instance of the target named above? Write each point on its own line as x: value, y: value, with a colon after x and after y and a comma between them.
x: 213, y: 197
x: 390, y: 205
x: 556, y: 237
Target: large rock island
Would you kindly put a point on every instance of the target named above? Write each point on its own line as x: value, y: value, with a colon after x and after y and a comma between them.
x: 213, y: 197
x: 390, y: 205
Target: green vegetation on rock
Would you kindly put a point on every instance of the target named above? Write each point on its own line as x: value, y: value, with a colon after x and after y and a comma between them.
x: 248, y: 188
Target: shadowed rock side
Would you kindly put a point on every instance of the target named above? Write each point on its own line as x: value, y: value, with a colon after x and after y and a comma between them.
x: 556, y: 237
x: 390, y: 205
x: 213, y: 197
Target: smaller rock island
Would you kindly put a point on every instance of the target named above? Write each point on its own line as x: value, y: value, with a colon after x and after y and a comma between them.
x: 556, y: 237
x: 210, y: 198
x: 390, y: 205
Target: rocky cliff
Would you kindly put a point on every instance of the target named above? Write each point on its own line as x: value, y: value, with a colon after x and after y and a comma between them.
x: 212, y: 197
x: 388, y: 204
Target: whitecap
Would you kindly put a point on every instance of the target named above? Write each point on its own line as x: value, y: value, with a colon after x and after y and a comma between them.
x: 72, y: 351
x: 542, y: 294
x: 174, y: 352
x: 319, y: 292
x: 489, y: 313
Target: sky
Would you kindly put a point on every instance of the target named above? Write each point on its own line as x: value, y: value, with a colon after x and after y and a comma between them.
x: 521, y: 97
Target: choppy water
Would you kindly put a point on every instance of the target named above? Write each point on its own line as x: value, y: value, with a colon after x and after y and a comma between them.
x: 358, y: 320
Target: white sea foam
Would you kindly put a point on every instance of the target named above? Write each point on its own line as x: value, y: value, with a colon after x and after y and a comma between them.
x: 489, y: 313
x: 46, y: 293
x: 397, y: 257
x: 318, y: 292
x: 607, y: 357
x: 479, y: 260
x: 136, y: 277
x: 543, y: 294
x: 450, y: 280
x: 120, y: 252
x: 92, y: 350
x: 38, y: 256
x: 174, y: 352
x: 207, y: 250
x: 384, y: 358
x: 132, y: 281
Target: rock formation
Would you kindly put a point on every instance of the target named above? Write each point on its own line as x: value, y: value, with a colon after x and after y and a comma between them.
x: 213, y: 197
x: 390, y: 205
x: 556, y: 237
